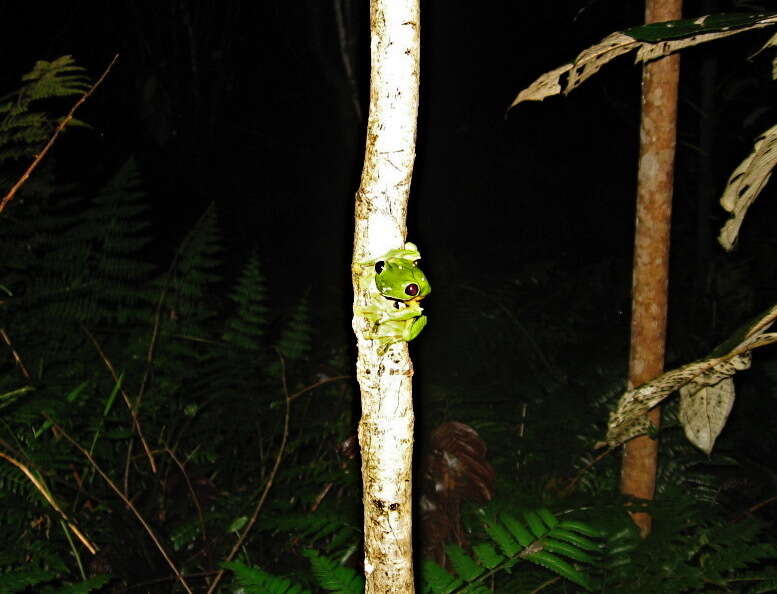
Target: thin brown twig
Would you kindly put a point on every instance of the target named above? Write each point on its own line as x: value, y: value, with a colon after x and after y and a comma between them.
x: 196, y: 499
x: 158, y: 314
x: 267, y: 485
x: 38, y: 484
x: 763, y: 503
x: 545, y: 584
x: 126, y: 502
x: 317, y: 384
x: 17, y: 359
x: 132, y: 409
x: 127, y: 463
x: 586, y: 468
x: 39, y: 157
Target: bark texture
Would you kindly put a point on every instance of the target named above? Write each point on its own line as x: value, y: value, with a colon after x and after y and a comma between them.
x: 386, y: 426
x: 651, y: 251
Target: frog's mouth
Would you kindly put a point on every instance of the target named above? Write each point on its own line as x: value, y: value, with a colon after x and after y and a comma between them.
x: 399, y: 302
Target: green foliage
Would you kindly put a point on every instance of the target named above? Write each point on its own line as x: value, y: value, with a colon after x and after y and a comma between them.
x: 256, y: 581
x: 80, y: 304
x: 697, y: 549
x: 541, y: 539
x: 295, y: 339
x: 333, y: 577
x: 247, y: 326
x: 23, y: 131
x: 21, y: 580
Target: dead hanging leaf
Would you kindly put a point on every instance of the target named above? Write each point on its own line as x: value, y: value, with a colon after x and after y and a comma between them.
x: 651, y: 41
x: 628, y: 419
x: 706, y: 402
x: 704, y: 412
x: 746, y: 183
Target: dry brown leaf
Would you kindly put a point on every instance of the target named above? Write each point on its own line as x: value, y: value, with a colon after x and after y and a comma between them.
x: 704, y: 411
x: 746, y: 183
x: 590, y: 60
x: 628, y: 419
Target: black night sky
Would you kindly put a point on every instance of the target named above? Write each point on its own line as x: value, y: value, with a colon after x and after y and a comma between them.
x: 524, y: 218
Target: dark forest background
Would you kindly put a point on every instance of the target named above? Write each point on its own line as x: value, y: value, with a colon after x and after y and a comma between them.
x: 206, y: 210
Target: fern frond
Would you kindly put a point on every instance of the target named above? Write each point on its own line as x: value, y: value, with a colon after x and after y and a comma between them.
x: 463, y: 564
x: 257, y: 581
x: 247, y: 325
x: 295, y: 339
x: 59, y: 78
x: 438, y: 581
x: 20, y: 580
x: 84, y: 587
x: 542, y: 540
x: 22, y: 131
x: 332, y: 576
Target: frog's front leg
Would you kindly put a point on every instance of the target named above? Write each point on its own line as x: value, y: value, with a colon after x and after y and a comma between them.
x: 414, y: 328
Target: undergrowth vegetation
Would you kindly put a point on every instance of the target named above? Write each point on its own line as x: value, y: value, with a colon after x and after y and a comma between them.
x: 178, y: 424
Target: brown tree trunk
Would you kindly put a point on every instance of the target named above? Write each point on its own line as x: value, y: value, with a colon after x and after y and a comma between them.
x: 651, y: 251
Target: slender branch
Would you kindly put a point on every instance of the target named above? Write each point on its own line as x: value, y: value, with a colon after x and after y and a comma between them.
x: 127, y: 463
x: 38, y: 484
x: 763, y: 503
x: 267, y: 485
x: 128, y: 503
x: 132, y: 409
x: 158, y: 313
x: 586, y: 468
x: 544, y: 585
x: 39, y: 157
x: 17, y: 359
x: 196, y: 499
x: 317, y: 384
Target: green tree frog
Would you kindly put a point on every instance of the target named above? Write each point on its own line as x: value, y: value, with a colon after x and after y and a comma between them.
x: 398, y: 287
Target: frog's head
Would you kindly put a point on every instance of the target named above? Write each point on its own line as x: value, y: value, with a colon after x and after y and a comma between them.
x: 401, y: 279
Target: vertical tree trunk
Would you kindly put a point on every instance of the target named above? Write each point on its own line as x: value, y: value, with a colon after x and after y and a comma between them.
x: 651, y: 251
x: 386, y: 426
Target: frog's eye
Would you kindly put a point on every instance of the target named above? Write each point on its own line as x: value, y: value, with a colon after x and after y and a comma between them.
x: 415, y: 262
x: 411, y: 289
x: 379, y: 266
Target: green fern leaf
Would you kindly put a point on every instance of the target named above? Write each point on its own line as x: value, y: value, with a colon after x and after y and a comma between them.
x: 257, y: 581
x: 467, y: 569
x: 295, y: 339
x: 18, y: 581
x: 438, y: 581
x: 332, y: 576
x: 247, y: 326
x: 22, y: 131
x: 487, y: 555
x: 502, y: 538
x: 574, y: 538
x: 84, y: 587
x: 561, y: 567
x: 535, y: 524
x: 547, y: 517
x: 61, y: 77
x: 568, y: 550
x: 582, y: 528
x: 517, y: 529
